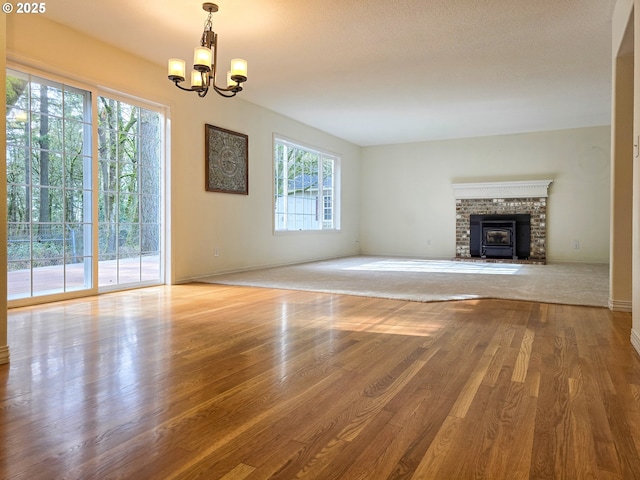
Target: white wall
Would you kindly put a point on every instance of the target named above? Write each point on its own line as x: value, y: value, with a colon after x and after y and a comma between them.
x: 408, y: 207
x: 239, y: 226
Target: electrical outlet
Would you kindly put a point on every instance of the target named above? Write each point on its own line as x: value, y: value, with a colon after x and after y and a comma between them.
x: 576, y: 244
x: 215, y: 252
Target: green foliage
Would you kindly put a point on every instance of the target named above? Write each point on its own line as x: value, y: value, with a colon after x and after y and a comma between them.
x: 301, y: 168
x: 14, y: 89
x: 48, y: 162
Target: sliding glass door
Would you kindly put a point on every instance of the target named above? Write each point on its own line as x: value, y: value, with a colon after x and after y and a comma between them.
x: 53, y: 135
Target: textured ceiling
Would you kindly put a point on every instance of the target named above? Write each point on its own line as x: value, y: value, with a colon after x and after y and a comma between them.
x: 401, y: 71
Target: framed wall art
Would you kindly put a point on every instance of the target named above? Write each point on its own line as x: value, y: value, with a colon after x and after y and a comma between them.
x: 226, y: 161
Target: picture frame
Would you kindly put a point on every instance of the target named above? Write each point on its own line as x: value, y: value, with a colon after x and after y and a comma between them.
x: 226, y: 161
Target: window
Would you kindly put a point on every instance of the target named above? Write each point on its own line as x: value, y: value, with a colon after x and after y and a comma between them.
x: 306, y: 187
x: 328, y: 208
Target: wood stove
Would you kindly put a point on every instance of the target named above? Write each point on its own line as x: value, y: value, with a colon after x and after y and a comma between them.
x: 500, y: 236
x: 498, y: 239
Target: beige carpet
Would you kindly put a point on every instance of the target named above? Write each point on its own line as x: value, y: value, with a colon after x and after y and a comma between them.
x: 435, y: 280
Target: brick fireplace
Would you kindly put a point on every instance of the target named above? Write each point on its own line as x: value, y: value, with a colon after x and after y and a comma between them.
x: 503, y: 198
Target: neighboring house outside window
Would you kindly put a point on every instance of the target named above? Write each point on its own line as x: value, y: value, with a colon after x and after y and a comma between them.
x: 328, y: 208
x: 305, y: 187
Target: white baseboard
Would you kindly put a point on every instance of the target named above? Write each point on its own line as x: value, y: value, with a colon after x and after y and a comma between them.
x: 635, y: 340
x: 620, y: 305
x: 258, y: 267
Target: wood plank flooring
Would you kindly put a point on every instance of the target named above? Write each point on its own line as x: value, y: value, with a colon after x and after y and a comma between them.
x: 219, y: 382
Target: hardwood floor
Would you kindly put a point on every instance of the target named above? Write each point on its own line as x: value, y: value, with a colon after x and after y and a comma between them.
x: 218, y: 382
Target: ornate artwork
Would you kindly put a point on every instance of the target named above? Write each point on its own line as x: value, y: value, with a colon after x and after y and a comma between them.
x: 227, y: 161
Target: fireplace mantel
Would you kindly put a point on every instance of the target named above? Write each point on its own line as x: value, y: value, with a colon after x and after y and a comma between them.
x: 518, y: 189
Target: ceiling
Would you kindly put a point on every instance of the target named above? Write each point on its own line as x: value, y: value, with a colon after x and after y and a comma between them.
x: 401, y: 71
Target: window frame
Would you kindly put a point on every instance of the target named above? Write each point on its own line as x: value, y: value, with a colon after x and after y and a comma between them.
x: 333, y: 190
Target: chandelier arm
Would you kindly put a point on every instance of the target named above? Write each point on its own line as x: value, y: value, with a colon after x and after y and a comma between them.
x: 200, y: 91
x: 225, y: 92
x: 177, y: 83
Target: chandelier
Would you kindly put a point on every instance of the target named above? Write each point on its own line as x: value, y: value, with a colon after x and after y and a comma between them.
x: 205, y: 63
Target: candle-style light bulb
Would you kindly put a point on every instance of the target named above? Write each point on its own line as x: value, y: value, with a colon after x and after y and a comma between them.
x: 239, y: 70
x: 176, y: 67
x: 202, y: 59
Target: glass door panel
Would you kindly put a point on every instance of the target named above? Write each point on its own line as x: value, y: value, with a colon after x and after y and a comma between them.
x: 49, y: 186
x: 130, y: 160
